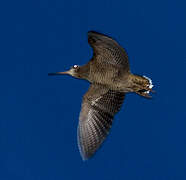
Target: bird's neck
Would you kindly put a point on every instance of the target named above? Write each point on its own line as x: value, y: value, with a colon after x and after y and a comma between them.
x: 83, y: 72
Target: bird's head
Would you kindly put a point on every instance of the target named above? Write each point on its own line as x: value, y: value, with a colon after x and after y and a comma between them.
x: 73, y: 71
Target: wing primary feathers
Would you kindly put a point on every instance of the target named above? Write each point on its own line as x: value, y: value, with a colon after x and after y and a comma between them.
x: 96, y: 116
x: 106, y: 50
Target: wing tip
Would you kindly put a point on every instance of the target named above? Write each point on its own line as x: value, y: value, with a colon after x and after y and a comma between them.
x: 84, y: 156
x: 93, y: 33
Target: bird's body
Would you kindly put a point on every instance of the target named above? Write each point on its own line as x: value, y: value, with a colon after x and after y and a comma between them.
x: 110, y: 77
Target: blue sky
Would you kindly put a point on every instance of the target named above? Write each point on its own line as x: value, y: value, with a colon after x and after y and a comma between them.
x: 39, y: 114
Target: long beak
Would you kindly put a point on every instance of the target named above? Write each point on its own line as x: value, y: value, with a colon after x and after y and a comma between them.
x: 57, y: 73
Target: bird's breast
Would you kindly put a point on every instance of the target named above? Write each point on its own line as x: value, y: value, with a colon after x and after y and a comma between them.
x: 108, y: 75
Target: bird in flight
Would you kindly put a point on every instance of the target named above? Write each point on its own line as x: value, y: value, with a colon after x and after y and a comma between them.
x: 110, y: 79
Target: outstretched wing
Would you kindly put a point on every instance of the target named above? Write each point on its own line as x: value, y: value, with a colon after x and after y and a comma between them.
x: 98, y: 109
x: 107, y: 50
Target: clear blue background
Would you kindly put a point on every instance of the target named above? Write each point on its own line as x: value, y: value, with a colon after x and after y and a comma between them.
x: 39, y: 114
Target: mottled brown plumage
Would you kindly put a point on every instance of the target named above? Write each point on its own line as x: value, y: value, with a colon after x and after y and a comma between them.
x: 110, y: 77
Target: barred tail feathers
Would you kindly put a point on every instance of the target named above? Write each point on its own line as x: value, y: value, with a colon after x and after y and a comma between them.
x: 142, y: 85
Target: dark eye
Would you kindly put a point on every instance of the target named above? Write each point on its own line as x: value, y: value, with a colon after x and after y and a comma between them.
x: 75, y: 66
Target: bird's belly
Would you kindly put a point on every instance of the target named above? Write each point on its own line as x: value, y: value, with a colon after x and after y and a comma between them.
x: 109, y: 76
x: 102, y: 77
x: 109, y: 80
